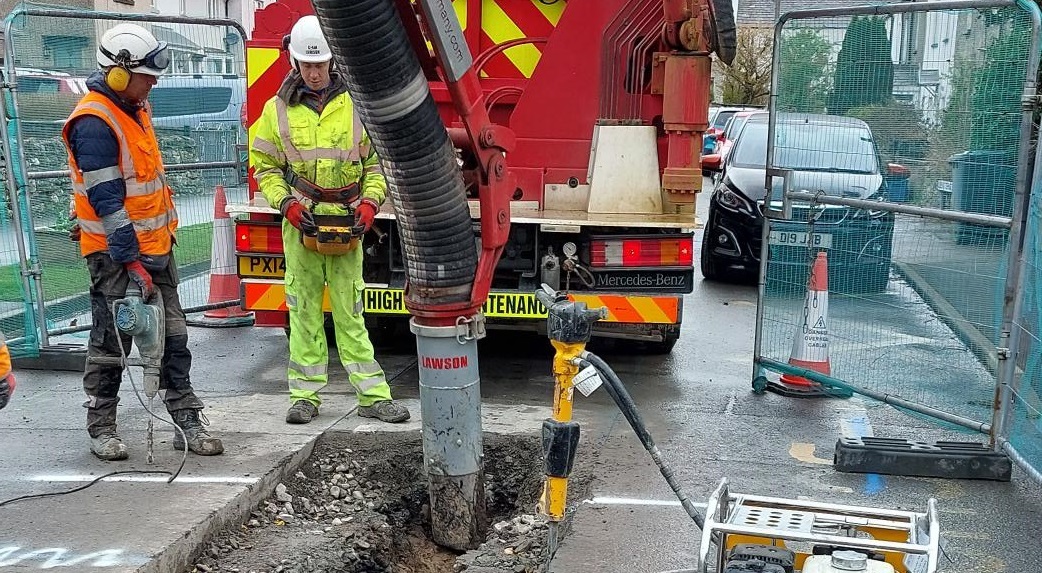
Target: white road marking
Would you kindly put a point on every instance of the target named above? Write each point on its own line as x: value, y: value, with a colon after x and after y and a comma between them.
x: 854, y: 422
x: 180, y: 479
x: 608, y: 500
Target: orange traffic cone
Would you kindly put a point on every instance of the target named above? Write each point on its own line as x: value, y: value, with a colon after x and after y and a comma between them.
x: 810, y: 347
x: 224, y: 280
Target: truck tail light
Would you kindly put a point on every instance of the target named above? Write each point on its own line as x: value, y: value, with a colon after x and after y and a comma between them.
x: 258, y: 238
x: 643, y: 252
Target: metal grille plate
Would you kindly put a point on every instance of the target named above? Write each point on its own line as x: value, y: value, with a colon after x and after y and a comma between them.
x: 801, y: 521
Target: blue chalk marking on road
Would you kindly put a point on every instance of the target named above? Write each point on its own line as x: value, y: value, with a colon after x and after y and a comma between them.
x: 855, y: 424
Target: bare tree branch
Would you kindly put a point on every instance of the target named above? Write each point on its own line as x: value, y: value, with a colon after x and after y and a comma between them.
x: 747, y: 81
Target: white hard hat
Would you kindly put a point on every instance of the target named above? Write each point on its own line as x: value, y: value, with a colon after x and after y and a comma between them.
x: 306, y: 42
x: 135, y: 48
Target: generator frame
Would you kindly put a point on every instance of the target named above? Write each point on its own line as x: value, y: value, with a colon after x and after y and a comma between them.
x: 909, y: 539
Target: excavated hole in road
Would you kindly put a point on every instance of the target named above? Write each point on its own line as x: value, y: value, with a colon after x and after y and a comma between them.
x: 359, y: 504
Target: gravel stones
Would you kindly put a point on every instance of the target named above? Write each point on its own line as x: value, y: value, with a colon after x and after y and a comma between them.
x: 364, y: 508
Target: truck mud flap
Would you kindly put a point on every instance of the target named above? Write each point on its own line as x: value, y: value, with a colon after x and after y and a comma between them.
x: 893, y: 456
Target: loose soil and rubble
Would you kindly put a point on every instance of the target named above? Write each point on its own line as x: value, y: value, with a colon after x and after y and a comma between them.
x: 360, y: 504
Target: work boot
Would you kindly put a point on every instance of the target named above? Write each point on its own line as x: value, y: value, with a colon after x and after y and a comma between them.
x: 108, y: 446
x: 199, y: 440
x: 301, y: 412
x: 386, y: 411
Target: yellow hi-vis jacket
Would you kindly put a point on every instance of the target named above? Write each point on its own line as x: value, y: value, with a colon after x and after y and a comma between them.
x: 331, y: 150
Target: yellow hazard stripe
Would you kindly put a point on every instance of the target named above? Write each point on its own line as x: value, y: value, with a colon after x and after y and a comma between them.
x: 271, y: 295
x: 552, y: 11
x: 460, y: 7
x: 498, y: 26
x: 261, y: 294
x: 258, y: 60
x: 634, y: 309
x: 650, y: 311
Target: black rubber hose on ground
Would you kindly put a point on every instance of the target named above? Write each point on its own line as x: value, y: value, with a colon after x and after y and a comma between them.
x: 613, y: 385
x: 372, y: 51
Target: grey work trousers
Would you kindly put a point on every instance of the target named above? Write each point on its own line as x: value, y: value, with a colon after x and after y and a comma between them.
x: 108, y: 283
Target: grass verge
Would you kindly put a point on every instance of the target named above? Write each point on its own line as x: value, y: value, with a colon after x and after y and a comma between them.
x: 65, y: 275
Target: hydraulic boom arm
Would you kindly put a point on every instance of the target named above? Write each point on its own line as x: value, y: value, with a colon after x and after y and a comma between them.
x: 488, y: 142
x: 692, y: 30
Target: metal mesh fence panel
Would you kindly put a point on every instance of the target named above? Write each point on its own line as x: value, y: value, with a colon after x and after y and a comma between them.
x: 916, y: 108
x: 17, y: 319
x: 196, y: 107
x: 1023, y: 406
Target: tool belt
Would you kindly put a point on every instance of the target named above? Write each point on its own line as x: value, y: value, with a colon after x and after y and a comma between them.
x: 308, y: 189
x: 336, y: 235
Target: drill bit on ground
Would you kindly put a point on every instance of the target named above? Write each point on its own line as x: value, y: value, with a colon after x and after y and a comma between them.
x: 151, y: 431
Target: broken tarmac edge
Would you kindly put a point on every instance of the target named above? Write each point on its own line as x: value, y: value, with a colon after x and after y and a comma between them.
x: 182, y: 553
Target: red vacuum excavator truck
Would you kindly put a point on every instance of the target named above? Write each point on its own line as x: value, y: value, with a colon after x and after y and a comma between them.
x: 527, y: 144
x: 604, y: 103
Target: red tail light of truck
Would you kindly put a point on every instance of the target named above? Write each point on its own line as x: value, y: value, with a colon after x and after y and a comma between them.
x: 642, y: 252
x: 258, y: 237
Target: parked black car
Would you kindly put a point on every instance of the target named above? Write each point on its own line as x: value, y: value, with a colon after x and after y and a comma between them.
x: 831, y: 154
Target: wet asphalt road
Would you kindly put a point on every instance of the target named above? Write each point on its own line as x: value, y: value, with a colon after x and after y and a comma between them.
x: 698, y: 404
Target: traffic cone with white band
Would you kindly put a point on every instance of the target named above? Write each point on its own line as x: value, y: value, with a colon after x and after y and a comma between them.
x: 810, y: 346
x: 224, y: 280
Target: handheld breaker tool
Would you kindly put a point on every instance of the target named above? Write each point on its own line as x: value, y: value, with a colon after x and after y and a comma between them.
x: 569, y: 326
x: 145, y: 324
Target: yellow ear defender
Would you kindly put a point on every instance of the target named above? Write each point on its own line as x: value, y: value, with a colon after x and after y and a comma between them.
x: 118, y: 77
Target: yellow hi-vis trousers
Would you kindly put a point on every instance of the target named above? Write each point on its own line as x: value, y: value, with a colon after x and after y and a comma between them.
x: 307, y: 273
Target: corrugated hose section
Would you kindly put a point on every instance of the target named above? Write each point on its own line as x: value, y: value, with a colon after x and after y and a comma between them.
x: 372, y: 50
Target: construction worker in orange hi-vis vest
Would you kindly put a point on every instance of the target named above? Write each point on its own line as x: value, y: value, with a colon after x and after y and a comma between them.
x: 126, y: 219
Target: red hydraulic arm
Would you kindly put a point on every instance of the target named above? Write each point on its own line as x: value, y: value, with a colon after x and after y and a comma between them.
x: 488, y: 142
x: 693, y: 29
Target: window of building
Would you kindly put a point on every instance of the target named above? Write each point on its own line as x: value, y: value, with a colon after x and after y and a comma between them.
x: 169, y: 101
x: 181, y: 62
x: 66, y: 52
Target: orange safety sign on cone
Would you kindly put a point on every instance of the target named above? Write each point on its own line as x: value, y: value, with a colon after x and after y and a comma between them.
x: 224, y: 279
x: 810, y: 346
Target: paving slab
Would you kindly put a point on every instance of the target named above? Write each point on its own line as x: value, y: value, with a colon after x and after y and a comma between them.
x: 495, y: 418
x: 140, y: 522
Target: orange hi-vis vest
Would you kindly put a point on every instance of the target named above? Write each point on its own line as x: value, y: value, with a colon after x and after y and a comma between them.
x: 149, y: 202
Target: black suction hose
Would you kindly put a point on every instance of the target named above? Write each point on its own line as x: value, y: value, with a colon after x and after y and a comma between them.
x: 613, y: 385
x: 390, y: 92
